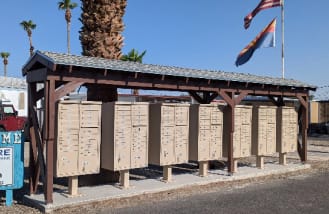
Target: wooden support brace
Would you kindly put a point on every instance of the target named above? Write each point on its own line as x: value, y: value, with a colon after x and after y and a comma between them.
x: 167, y: 173
x: 67, y: 88
x: 73, y: 186
x: 203, y: 168
x: 260, y: 162
x: 283, y: 159
x: 213, y: 96
x: 196, y: 96
x: 242, y: 95
x: 124, y: 178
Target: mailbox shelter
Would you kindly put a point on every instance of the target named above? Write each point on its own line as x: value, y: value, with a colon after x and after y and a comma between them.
x: 60, y: 74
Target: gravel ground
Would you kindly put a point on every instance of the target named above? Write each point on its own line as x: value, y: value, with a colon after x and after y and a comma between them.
x: 19, y: 206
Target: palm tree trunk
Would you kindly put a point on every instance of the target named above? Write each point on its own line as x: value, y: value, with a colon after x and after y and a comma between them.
x: 31, y: 46
x: 5, y: 70
x: 5, y: 62
x: 68, y: 37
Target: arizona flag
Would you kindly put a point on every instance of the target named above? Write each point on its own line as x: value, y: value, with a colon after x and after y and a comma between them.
x: 266, y: 38
x: 263, y: 4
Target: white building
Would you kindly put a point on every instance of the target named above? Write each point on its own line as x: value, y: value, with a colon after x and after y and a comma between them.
x: 14, y: 91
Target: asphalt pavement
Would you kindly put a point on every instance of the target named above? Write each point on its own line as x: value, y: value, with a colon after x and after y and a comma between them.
x: 298, y: 194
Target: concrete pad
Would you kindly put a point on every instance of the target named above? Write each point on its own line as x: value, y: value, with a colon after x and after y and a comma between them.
x: 146, y: 186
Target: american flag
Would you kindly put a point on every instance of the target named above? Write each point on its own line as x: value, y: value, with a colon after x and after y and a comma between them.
x: 264, y: 4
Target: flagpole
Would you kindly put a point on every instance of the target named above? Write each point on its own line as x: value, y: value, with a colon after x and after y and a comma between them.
x: 282, y: 32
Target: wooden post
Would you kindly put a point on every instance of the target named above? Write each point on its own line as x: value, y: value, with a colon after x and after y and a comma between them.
x: 167, y: 173
x: 232, y: 101
x: 31, y: 89
x: 73, y: 186
x: 304, y: 123
x: 235, y: 165
x: 283, y: 158
x: 230, y: 115
x: 50, y: 135
x: 232, y: 166
x: 304, y: 130
x: 124, y: 178
x: 260, y: 162
x: 203, y: 168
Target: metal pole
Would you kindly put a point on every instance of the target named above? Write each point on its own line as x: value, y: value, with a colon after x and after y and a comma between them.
x: 282, y: 32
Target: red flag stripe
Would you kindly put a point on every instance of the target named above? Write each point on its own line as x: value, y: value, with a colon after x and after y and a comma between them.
x: 264, y: 4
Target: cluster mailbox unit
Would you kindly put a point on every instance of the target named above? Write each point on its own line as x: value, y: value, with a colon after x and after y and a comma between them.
x: 125, y: 132
x: 78, y: 140
x: 287, y: 128
x: 206, y: 130
x: 169, y: 130
x: 119, y: 136
x: 242, y: 132
x: 263, y: 132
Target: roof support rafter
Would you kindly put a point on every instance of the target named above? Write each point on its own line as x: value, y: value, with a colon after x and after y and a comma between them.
x: 66, y: 89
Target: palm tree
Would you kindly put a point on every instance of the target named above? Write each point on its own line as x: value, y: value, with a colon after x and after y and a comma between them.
x: 67, y: 5
x: 102, y: 25
x: 28, y: 26
x: 5, y: 56
x: 101, y: 36
x: 133, y: 56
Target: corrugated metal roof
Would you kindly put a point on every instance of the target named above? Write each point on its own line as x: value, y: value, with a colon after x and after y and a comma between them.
x: 125, y: 66
x: 12, y: 82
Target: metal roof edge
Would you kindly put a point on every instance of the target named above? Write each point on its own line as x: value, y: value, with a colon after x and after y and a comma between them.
x: 102, y: 63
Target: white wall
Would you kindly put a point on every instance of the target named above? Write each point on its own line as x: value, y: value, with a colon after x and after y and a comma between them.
x: 14, y: 90
x: 18, y: 97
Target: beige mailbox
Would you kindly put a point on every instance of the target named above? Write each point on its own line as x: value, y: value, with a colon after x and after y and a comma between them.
x: 206, y: 132
x: 169, y: 128
x: 242, y: 132
x: 287, y: 129
x: 264, y: 130
x: 125, y: 135
x: 78, y: 138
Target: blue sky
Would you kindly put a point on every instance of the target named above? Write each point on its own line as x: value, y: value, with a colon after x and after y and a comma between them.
x: 202, y: 34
